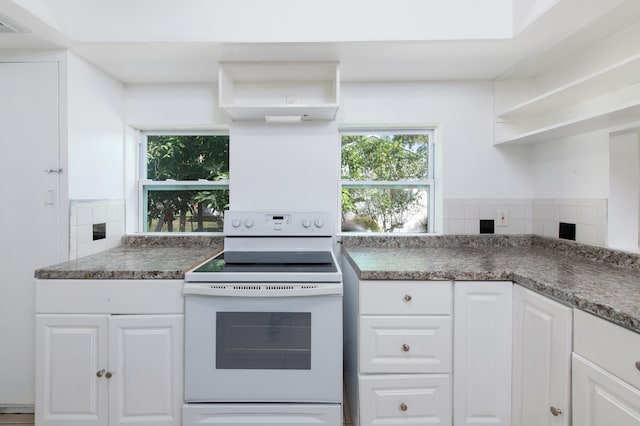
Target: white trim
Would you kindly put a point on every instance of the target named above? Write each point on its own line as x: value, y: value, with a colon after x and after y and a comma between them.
x: 396, y: 129
x: 419, y: 183
x: 220, y: 183
x: 390, y: 129
x: 221, y: 130
x: 143, y: 182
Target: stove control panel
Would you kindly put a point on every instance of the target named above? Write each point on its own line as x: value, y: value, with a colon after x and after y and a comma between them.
x: 270, y: 223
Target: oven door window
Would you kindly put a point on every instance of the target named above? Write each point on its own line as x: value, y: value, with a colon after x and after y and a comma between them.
x: 263, y: 340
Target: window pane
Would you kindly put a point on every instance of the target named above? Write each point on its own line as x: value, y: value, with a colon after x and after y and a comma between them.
x: 185, y: 210
x: 385, y: 209
x: 187, y: 157
x: 385, y: 157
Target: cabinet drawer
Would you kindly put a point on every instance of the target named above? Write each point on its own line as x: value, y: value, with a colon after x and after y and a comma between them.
x: 608, y: 345
x: 405, y: 298
x: 416, y: 344
x: 405, y: 399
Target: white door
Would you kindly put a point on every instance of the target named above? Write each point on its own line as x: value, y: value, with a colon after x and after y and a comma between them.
x: 146, y: 364
x: 482, y: 353
x: 71, y: 388
x: 541, y: 360
x: 30, y: 220
x: 601, y: 399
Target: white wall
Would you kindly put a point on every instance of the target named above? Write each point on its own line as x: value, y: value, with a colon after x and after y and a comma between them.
x: 96, y: 132
x: 284, y: 166
x: 266, y: 155
x: 470, y: 166
x: 624, y: 184
x: 576, y: 167
x: 463, y: 113
x: 173, y: 106
x: 526, y: 12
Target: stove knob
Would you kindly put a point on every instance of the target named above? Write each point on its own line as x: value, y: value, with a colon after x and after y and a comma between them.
x: 319, y: 223
x: 306, y: 223
x: 248, y: 223
x: 235, y: 223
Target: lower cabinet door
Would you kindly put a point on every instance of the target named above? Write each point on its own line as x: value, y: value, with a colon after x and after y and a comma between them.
x: 482, y: 355
x: 541, y: 360
x: 601, y: 399
x: 146, y: 369
x: 71, y: 353
x: 405, y: 399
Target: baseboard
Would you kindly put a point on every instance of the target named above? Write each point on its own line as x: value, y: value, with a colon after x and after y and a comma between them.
x: 16, y: 409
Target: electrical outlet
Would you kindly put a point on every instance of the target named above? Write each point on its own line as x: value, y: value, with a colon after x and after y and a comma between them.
x: 502, y: 219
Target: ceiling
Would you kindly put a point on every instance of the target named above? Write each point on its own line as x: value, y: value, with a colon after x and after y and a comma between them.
x: 568, y: 24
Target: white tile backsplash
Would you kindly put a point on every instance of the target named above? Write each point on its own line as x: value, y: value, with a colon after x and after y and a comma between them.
x: 586, y: 215
x: 589, y: 216
x: 465, y: 215
x: 529, y: 216
x: 83, y: 215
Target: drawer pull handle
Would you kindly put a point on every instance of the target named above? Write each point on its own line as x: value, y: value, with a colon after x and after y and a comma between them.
x: 555, y: 411
x: 403, y: 407
x: 108, y: 375
x: 406, y: 348
x: 638, y: 365
x: 100, y: 373
x: 407, y: 298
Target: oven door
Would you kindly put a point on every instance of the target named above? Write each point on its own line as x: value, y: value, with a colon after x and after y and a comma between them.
x: 263, y: 349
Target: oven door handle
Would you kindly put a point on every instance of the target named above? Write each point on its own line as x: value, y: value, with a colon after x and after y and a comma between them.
x: 262, y: 289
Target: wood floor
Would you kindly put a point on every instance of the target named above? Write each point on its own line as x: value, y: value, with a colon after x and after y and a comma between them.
x: 27, y: 420
x: 16, y: 419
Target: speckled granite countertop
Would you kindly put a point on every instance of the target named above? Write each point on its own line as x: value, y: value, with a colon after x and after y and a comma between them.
x: 601, y: 281
x: 139, y: 257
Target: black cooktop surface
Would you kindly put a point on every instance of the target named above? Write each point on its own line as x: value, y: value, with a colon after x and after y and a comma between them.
x: 270, y: 261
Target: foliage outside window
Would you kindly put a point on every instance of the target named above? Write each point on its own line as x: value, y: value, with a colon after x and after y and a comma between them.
x: 185, y: 183
x: 387, y: 181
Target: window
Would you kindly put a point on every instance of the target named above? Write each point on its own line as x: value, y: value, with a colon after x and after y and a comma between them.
x: 387, y: 181
x: 184, y: 182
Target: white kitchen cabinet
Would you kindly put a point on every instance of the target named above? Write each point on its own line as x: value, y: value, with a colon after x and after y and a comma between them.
x: 542, y: 336
x: 398, y: 351
x: 119, y: 363
x: 279, y: 91
x: 482, y: 353
x: 394, y: 399
x: 605, y: 373
x: 70, y: 350
x: 109, y: 370
x: 602, y: 399
x: 405, y: 328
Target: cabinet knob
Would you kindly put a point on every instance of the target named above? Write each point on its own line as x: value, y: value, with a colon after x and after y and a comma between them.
x: 403, y: 407
x: 108, y: 375
x: 638, y: 365
x: 406, y: 348
x: 555, y: 411
x: 407, y: 298
x: 100, y: 373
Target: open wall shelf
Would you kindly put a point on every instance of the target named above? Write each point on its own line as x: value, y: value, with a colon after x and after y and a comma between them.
x: 585, y: 85
x: 281, y: 91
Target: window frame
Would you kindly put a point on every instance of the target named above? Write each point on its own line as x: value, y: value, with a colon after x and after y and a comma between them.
x: 427, y: 183
x: 145, y: 184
